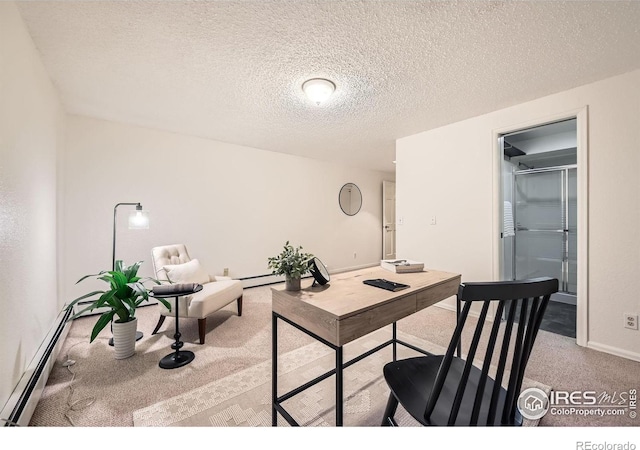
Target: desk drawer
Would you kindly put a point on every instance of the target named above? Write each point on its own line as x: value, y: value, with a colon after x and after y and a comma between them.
x: 437, y: 293
x: 358, y: 325
x: 307, y: 316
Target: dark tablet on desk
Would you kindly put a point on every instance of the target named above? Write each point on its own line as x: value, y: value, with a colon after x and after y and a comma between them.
x: 386, y: 284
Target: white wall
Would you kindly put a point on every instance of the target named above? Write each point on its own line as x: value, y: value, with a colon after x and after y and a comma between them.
x: 31, y: 136
x: 232, y: 206
x: 449, y: 172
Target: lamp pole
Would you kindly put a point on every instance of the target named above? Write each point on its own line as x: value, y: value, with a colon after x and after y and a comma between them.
x: 113, y: 253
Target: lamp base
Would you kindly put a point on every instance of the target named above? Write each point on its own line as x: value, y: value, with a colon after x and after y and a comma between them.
x: 177, y: 359
x: 138, y: 337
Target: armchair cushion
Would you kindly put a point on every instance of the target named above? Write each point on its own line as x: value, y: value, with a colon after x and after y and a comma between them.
x: 189, y: 272
x: 214, y: 296
x: 210, y: 299
x: 173, y: 261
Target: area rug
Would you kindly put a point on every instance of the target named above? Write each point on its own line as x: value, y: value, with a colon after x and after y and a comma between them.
x: 244, y: 399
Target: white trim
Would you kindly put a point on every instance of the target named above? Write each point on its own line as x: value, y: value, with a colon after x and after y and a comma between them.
x: 361, y: 266
x: 582, y: 134
x: 613, y: 350
x: 273, y: 279
x: 582, y: 306
x: 496, y: 226
x: 24, y: 381
x: 83, y: 304
x: 475, y: 314
x: 447, y: 306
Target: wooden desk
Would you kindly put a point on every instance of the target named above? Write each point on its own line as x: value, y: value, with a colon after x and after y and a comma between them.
x: 346, y: 309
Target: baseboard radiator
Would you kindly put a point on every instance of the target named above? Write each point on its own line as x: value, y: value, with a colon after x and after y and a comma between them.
x: 263, y: 280
x: 26, y: 395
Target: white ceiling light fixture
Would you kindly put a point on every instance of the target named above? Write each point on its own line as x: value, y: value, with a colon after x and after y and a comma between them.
x: 318, y: 90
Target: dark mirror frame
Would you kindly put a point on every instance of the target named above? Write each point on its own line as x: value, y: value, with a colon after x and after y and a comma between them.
x: 319, y: 271
x: 342, y: 207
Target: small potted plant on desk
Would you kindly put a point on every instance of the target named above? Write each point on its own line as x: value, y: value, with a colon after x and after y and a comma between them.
x: 126, y: 291
x: 293, y: 263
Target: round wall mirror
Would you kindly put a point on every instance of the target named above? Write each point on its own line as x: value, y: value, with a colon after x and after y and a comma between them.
x: 350, y: 199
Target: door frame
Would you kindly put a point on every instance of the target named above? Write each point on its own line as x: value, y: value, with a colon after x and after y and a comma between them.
x: 385, y: 184
x: 582, y: 135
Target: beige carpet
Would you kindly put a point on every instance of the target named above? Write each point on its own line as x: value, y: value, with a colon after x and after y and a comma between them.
x: 99, y: 391
x: 244, y: 399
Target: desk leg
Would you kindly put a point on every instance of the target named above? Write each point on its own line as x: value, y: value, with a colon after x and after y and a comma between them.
x: 274, y: 369
x: 339, y: 395
x: 395, y: 342
x: 458, y: 308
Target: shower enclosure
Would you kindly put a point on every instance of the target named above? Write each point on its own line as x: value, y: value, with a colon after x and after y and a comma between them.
x: 545, y: 226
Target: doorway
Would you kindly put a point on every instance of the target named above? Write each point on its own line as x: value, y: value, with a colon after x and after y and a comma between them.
x: 540, y: 198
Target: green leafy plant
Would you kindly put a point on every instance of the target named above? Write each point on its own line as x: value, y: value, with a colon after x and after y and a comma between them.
x: 291, y: 262
x: 125, y: 293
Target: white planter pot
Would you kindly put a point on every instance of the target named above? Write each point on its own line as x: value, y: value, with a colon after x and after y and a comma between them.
x: 124, y: 338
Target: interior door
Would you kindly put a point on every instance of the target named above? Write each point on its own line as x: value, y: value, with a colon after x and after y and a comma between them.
x: 388, y: 220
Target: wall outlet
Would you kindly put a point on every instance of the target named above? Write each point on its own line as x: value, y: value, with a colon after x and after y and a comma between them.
x: 631, y: 321
x: 225, y: 272
x: 433, y: 220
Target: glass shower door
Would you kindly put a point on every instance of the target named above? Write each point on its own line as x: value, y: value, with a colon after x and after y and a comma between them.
x: 540, y: 217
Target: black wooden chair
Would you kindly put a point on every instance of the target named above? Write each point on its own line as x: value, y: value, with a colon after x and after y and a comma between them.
x: 449, y: 389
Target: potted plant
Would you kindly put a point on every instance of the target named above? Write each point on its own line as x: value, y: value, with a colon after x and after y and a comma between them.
x: 126, y: 291
x: 293, y: 263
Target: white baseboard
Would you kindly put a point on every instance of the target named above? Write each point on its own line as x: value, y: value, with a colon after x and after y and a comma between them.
x: 475, y: 314
x: 446, y: 306
x: 81, y: 305
x: 634, y: 356
x: 27, y: 393
x: 263, y: 280
x: 347, y: 269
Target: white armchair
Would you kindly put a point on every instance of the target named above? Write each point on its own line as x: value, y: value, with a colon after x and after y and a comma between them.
x: 172, y: 262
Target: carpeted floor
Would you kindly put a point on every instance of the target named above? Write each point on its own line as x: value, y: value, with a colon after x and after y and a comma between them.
x: 244, y: 398
x: 99, y: 390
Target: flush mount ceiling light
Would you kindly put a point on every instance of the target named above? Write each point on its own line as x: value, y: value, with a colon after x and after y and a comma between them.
x: 318, y: 90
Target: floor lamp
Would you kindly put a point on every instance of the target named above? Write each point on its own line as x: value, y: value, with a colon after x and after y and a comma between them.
x: 138, y: 220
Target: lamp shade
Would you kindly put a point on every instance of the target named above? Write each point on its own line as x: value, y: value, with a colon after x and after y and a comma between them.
x: 139, y: 220
x: 318, y: 90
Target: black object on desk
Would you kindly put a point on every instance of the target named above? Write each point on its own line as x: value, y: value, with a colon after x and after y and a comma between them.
x: 386, y: 284
x: 180, y: 357
x: 319, y: 271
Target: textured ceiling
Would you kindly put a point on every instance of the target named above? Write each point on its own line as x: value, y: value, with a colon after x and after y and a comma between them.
x: 232, y: 70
